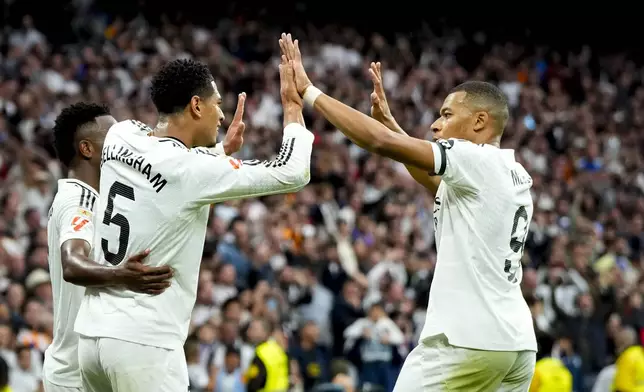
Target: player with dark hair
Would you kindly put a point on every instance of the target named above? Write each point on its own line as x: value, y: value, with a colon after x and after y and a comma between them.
x: 478, y: 334
x: 79, y: 132
x: 156, y: 193
x: 183, y: 84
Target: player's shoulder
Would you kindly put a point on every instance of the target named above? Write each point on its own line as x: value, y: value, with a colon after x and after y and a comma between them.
x: 489, y: 152
x: 129, y: 132
x: 130, y: 127
x: 462, y: 144
x: 73, y: 193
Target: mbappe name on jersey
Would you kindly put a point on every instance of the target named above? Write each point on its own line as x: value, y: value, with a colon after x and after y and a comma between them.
x: 135, y: 161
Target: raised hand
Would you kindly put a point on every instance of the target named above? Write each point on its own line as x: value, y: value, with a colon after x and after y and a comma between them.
x: 379, y: 106
x: 235, y: 135
x: 291, y: 101
x: 288, y: 88
x: 291, y: 49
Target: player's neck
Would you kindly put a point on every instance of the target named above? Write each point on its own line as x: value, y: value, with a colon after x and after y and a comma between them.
x: 174, y: 127
x: 85, y: 172
x: 494, y: 141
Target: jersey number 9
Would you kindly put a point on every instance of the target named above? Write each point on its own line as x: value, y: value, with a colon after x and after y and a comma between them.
x: 119, y: 220
x: 517, y: 242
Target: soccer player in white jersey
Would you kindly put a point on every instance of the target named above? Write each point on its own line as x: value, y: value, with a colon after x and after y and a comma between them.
x: 79, y: 132
x: 156, y: 193
x: 478, y: 334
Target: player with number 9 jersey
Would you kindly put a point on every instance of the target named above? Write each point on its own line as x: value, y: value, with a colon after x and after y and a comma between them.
x: 478, y: 334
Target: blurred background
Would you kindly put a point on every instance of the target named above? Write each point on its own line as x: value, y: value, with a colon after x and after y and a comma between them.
x: 357, y: 245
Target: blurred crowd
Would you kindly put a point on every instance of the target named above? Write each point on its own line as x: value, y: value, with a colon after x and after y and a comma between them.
x: 340, y: 272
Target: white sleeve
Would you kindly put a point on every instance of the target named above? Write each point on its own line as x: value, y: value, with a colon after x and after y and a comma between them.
x: 215, y: 178
x: 459, y: 163
x: 75, y: 222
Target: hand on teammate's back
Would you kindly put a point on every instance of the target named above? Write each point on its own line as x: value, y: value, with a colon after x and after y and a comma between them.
x: 291, y: 49
x: 379, y: 106
x: 136, y: 276
x: 235, y: 134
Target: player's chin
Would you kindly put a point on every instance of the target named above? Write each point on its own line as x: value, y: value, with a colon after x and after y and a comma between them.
x: 212, y: 138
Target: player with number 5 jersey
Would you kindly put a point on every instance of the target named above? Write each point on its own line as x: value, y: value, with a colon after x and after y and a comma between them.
x: 156, y: 190
x: 478, y: 334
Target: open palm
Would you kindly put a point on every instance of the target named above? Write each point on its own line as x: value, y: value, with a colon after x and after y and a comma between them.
x: 379, y: 106
x: 235, y: 134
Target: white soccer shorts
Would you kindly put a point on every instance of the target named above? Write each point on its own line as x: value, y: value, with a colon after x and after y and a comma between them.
x: 437, y: 366
x: 49, y: 387
x: 111, y: 365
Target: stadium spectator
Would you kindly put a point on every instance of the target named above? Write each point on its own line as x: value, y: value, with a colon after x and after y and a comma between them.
x: 361, y: 233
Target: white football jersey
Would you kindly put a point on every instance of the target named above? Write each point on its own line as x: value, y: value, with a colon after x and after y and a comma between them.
x: 156, y: 194
x: 482, y: 212
x: 70, y: 217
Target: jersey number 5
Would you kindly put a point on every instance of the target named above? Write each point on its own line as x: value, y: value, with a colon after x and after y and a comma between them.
x: 119, y: 220
x: 517, y: 242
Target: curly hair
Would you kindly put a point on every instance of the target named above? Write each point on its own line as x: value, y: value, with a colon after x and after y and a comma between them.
x: 177, y: 82
x: 67, y: 124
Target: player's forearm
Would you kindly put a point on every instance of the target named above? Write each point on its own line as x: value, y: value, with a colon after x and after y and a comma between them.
x: 419, y: 175
x: 293, y: 115
x: 80, y: 270
x: 360, y: 128
x: 393, y: 125
x: 291, y: 170
x: 430, y: 183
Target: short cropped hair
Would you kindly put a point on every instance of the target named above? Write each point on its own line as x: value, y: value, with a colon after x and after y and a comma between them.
x: 177, y: 82
x: 486, y: 96
x: 67, y: 124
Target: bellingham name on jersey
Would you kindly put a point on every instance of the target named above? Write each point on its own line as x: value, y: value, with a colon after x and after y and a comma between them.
x: 156, y: 193
x: 135, y: 161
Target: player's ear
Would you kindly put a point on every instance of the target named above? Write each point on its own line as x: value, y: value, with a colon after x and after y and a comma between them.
x: 196, y: 106
x: 86, y: 149
x: 480, y: 121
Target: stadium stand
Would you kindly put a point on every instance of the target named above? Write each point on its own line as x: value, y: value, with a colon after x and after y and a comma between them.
x: 360, y: 236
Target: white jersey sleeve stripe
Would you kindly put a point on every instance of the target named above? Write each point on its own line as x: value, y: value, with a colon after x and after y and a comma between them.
x: 225, y: 178
x: 87, y: 196
x: 171, y: 220
x: 440, y: 159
